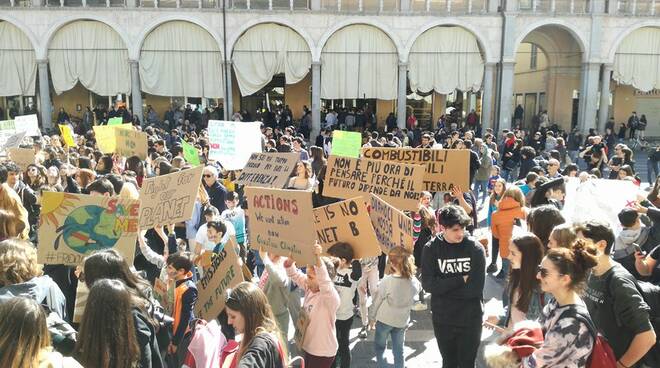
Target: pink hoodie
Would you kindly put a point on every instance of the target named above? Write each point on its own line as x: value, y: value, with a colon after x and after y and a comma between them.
x: 320, y: 339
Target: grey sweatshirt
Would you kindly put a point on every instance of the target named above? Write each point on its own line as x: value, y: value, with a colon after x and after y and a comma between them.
x: 393, y: 300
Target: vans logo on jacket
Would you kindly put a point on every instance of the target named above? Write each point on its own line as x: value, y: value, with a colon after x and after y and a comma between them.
x: 454, y: 265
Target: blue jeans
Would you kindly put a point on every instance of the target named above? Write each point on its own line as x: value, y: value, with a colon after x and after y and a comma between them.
x: 380, y: 343
x: 481, y: 186
x: 652, y: 170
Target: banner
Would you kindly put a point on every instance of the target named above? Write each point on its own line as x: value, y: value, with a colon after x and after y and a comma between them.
x: 224, y: 272
x: 72, y: 226
x: 13, y: 141
x: 268, y: 170
x: 347, y: 221
x: 22, y: 156
x: 346, y: 144
x: 397, y: 183
x: 231, y: 143
x: 116, y: 121
x: 28, y: 124
x: 67, y: 136
x: 190, y: 153
x: 444, y: 168
x: 170, y: 198
x: 106, y: 138
x: 131, y: 143
x: 280, y: 222
x: 393, y: 228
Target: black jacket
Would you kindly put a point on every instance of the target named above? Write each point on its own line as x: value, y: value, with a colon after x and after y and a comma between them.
x: 217, y: 194
x: 262, y: 352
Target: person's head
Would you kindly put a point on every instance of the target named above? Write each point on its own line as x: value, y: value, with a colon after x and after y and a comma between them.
x: 215, y: 230
x: 626, y: 154
x: 428, y: 218
x: 629, y: 218
x: 303, y: 169
x: 18, y: 262
x: 297, y: 143
x: 53, y: 175
x: 179, y: 266
x: 554, y: 189
x: 163, y: 168
x: 571, y: 170
x: 159, y: 145
x: 562, y: 235
x: 249, y: 312
x: 108, y: 264
x: 12, y: 173
x: 565, y: 270
x: 23, y: 333
x: 117, y: 182
x: 553, y: 166
x: 401, y: 261
x: 453, y: 220
x: 495, y: 170
x: 514, y: 192
x: 210, y: 212
x: 107, y: 335
x: 425, y: 199
x: 531, y: 179
x: 599, y: 233
x: 525, y: 254
x: 232, y: 200
x: 84, y: 177
x: 210, y: 175
x: 541, y: 220
x: 624, y: 172
x: 312, y: 281
x: 11, y: 225
x: 102, y: 187
x: 105, y: 164
x: 316, y: 153
x: 343, y: 251
x: 499, y: 187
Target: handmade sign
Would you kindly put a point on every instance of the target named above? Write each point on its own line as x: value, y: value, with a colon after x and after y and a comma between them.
x: 28, y: 124
x: 393, y: 228
x: 164, y: 293
x: 116, y: 121
x: 444, y: 168
x: 347, y: 221
x: 268, y: 170
x: 73, y: 226
x: 22, y: 156
x: 231, y: 143
x: 9, y: 128
x: 169, y: 199
x: 190, y: 153
x: 346, y: 144
x: 397, y: 183
x: 131, y: 143
x: 224, y: 272
x: 67, y: 135
x: 13, y: 141
x: 280, y: 222
x: 106, y: 138
x: 82, y: 293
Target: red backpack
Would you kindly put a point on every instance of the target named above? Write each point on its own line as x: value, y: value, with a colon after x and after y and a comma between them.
x: 602, y: 355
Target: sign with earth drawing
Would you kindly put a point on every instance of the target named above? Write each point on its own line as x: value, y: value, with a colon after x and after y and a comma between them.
x: 73, y: 226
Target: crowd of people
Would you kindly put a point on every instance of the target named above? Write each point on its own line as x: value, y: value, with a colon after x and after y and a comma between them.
x: 565, y: 284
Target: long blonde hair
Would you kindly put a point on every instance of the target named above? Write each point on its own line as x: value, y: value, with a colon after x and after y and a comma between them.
x: 23, y: 333
x: 18, y: 262
x: 10, y: 201
x: 402, y: 260
x: 514, y: 192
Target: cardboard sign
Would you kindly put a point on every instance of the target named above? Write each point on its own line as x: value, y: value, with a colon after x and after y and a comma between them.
x: 106, y: 138
x: 116, y: 121
x: 13, y: 141
x: 165, y: 295
x: 393, y: 228
x: 397, y: 183
x: 82, y: 293
x: 67, y: 136
x: 72, y: 226
x: 131, y: 143
x: 224, y: 272
x: 268, y: 170
x: 280, y: 222
x: 347, y: 221
x: 28, y: 124
x: 22, y: 156
x: 346, y: 144
x: 444, y: 168
x: 190, y: 153
x: 170, y: 198
x: 232, y: 143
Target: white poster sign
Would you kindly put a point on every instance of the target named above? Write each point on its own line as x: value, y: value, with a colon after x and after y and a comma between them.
x: 232, y: 143
x: 13, y: 141
x: 28, y: 124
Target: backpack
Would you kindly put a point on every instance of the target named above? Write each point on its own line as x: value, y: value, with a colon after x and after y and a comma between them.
x: 602, y: 355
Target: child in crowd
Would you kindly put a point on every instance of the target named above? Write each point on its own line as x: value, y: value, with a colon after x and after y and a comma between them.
x: 390, y: 311
x: 179, y: 269
x: 494, y: 175
x: 509, y: 210
x: 235, y: 214
x: 277, y: 287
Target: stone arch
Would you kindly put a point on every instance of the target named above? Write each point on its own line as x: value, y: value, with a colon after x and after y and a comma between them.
x: 63, y: 22
x: 316, y: 54
x: 487, y: 54
x: 264, y: 20
x: 626, y: 32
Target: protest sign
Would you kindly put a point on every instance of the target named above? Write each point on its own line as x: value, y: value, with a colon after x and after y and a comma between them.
x: 280, y: 222
x: 13, y: 141
x: 106, y: 137
x: 231, y: 143
x: 116, y: 121
x: 444, y: 168
x: 393, y: 228
x: 82, y: 293
x: 6, y: 130
x: 346, y: 144
x: 22, y: 156
x: 224, y: 272
x: 190, y: 153
x: 170, y: 198
x: 347, y: 221
x: 28, y: 124
x: 268, y: 170
x: 67, y: 135
x: 164, y: 293
x: 131, y: 143
x: 398, y: 183
x: 72, y: 226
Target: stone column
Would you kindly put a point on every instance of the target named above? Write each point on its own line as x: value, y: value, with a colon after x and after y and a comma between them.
x: 487, y: 97
x: 136, y: 92
x: 229, y: 105
x: 44, y: 95
x: 316, y: 100
x: 603, y: 109
x: 588, y: 93
x: 506, y: 96
x: 401, y: 95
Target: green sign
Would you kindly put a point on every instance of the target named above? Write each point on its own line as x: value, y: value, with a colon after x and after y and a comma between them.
x: 116, y: 121
x: 346, y: 144
x: 190, y: 153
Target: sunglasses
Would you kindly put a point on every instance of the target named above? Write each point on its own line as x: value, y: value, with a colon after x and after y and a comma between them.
x: 208, y: 175
x: 230, y: 297
x: 544, y: 271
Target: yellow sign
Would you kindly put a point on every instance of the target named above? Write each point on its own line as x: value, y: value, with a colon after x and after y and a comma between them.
x: 67, y: 135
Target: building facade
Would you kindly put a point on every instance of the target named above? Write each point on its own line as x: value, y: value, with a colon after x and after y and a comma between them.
x: 583, y: 61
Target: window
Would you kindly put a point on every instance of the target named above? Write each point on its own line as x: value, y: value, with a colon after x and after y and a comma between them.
x: 533, y: 56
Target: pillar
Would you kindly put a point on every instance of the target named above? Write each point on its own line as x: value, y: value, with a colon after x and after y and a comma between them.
x: 401, y: 95
x: 136, y: 92
x: 604, y: 107
x: 588, y: 93
x: 487, y: 97
x: 506, y: 96
x: 44, y: 95
x: 316, y: 100
x: 229, y: 106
